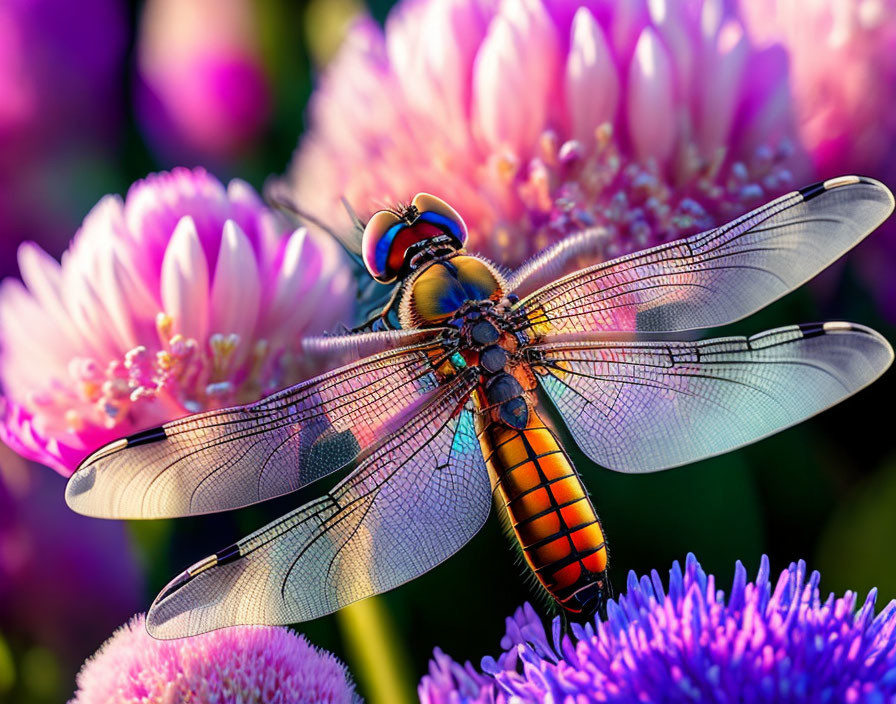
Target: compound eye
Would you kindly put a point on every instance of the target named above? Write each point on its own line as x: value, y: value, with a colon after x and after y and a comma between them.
x: 376, y: 244
x: 446, y: 216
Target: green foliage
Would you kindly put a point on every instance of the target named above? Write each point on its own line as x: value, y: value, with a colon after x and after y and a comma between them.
x: 855, y: 550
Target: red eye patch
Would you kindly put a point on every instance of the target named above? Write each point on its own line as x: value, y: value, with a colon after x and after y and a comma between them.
x: 408, y: 236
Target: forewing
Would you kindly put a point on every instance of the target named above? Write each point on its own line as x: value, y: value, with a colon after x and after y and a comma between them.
x: 230, y: 458
x: 718, y: 276
x: 410, y: 505
x: 646, y: 406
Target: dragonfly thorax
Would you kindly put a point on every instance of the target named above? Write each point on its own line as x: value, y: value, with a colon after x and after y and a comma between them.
x: 468, y: 293
x: 442, y: 290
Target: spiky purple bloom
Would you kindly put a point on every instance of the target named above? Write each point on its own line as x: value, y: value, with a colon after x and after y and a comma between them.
x: 247, y: 664
x: 691, y: 643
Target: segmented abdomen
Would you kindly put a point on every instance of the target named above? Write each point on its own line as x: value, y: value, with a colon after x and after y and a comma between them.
x: 549, y: 511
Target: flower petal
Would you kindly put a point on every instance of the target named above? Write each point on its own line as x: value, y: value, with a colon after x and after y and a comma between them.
x: 297, y: 282
x: 30, y: 353
x: 43, y: 277
x: 83, y: 305
x: 720, y: 88
x: 651, y: 104
x: 514, y: 77
x: 236, y: 289
x: 592, y: 82
x: 185, y: 281
x: 432, y: 47
x: 676, y: 28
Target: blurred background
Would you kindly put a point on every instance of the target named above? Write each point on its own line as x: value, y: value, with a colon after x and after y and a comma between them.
x: 96, y: 94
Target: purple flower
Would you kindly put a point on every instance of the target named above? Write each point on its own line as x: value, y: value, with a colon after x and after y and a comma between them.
x: 689, y: 643
x: 60, y: 64
x: 535, y: 118
x: 204, y: 92
x: 182, y: 297
x: 61, y: 71
x: 65, y: 580
x: 258, y: 664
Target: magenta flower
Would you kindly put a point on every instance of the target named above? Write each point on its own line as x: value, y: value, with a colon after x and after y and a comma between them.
x: 184, y: 296
x: 535, y: 118
x: 763, y: 643
x: 204, y: 92
x: 249, y: 664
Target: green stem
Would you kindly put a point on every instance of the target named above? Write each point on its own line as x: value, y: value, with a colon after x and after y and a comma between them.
x: 376, y: 655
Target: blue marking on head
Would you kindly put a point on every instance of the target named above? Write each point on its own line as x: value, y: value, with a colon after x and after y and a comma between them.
x: 385, y: 244
x: 444, y: 222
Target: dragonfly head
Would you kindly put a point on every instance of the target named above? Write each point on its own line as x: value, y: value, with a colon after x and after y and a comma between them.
x: 395, y: 242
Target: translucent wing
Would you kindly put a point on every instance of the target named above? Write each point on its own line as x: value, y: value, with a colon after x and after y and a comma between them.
x: 411, y: 503
x: 718, y: 276
x: 225, y: 459
x: 646, y: 406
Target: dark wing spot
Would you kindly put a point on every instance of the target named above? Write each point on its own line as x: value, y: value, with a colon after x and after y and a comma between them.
x: 144, y: 437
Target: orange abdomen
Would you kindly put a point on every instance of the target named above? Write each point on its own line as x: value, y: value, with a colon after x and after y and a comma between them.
x: 549, y: 511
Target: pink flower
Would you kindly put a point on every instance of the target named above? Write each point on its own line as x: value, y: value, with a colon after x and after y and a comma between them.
x: 204, y: 91
x: 258, y: 664
x: 182, y: 297
x: 843, y: 78
x: 843, y: 58
x: 535, y: 118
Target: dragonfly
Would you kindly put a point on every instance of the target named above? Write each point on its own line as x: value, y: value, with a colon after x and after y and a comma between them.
x: 439, y: 409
